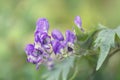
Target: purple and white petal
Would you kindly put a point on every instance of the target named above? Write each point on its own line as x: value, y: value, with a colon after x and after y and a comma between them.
x: 29, y: 49
x: 37, y: 52
x: 37, y: 36
x: 42, y: 25
x: 43, y: 39
x: 70, y: 36
x: 57, y: 46
x: 39, y: 61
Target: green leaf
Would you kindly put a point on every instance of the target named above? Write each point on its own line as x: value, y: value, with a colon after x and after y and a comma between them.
x: 104, y: 41
x: 61, y: 69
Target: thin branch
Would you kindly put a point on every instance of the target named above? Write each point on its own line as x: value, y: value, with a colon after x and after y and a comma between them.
x: 113, y: 52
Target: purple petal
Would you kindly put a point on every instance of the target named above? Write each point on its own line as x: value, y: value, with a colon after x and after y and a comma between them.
x: 56, y: 34
x: 42, y: 25
x: 37, y: 53
x: 45, y: 55
x: 78, y: 21
x: 31, y: 59
x: 29, y: 49
x: 37, y: 36
x: 70, y: 36
x: 35, y: 59
x: 57, y: 46
x: 43, y: 38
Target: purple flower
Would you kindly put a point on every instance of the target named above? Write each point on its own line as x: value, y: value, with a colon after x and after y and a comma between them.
x: 42, y: 25
x: 78, y: 22
x: 56, y: 34
x: 34, y: 59
x: 70, y: 40
x: 29, y: 49
x: 34, y: 55
x: 41, y: 33
x: 40, y: 52
x: 70, y: 36
x: 57, y: 46
x: 43, y: 39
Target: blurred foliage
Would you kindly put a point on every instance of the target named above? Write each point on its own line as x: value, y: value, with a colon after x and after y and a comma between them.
x: 17, y: 24
x: 61, y: 69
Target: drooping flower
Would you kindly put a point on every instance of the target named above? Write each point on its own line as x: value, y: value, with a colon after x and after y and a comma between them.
x: 57, y: 46
x: 43, y: 39
x: 70, y: 40
x: 78, y: 22
x: 42, y: 25
x: 41, y: 33
x: 38, y: 53
x: 33, y: 55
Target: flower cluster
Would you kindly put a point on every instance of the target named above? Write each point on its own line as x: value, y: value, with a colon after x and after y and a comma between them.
x: 40, y: 52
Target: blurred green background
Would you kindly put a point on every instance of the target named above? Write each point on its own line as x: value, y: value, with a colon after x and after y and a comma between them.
x: 17, y: 25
